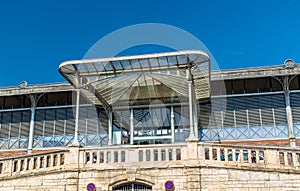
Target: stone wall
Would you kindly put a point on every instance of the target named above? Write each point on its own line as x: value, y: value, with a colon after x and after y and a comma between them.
x: 192, y: 179
x: 242, y: 180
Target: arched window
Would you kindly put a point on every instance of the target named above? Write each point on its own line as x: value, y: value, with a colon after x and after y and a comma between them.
x: 133, y: 186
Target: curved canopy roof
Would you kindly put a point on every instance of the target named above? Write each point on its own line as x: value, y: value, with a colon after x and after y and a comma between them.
x: 141, y: 78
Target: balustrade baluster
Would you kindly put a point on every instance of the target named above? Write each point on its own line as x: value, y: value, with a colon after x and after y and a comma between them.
x: 210, y: 153
x: 295, y: 161
x: 26, y: 164
x: 218, y: 154
x: 51, y: 160
x: 249, y: 156
x: 241, y: 155
x: 158, y: 154
x: 167, y: 154
x: 38, y: 166
x: 105, y: 157
x: 19, y: 166
x: 98, y: 157
x: 58, y: 159
x: 234, y: 155
x: 257, y: 156
x: 286, y: 162
x: 226, y: 155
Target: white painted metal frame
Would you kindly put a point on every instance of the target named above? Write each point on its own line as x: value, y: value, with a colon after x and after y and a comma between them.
x: 99, y: 76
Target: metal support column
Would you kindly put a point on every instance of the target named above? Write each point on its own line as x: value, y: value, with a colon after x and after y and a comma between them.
x: 289, y: 112
x: 32, y: 118
x: 75, y: 141
x: 172, y: 125
x: 110, y: 129
x: 195, y: 116
x: 131, y: 126
x: 192, y: 133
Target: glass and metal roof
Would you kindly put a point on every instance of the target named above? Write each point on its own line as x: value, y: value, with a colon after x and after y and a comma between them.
x: 140, y: 78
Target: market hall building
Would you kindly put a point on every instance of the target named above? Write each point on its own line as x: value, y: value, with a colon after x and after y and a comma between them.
x: 161, y: 121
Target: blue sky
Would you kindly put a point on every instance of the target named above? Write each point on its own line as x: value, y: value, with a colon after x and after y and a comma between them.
x: 36, y: 36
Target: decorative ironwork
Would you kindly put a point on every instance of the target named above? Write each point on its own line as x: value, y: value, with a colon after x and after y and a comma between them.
x: 133, y: 187
x: 257, y: 116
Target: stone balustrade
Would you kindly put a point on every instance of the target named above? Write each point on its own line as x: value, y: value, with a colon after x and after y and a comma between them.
x: 32, y: 163
x: 262, y: 156
x: 133, y: 154
x: 189, y: 153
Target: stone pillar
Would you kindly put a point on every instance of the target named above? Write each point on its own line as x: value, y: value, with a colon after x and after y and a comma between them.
x: 73, y: 160
x: 271, y: 157
x: 7, y: 167
x: 192, y: 149
x: 201, y: 152
x: 193, y: 179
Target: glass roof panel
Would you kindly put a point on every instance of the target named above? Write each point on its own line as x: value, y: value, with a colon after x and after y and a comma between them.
x: 99, y: 66
x: 153, y: 62
x: 81, y: 68
x: 199, y: 59
x: 182, y: 59
x: 163, y: 61
x: 176, y: 83
x: 126, y: 64
x: 172, y: 60
x: 135, y: 64
x: 144, y: 63
x: 107, y: 66
x: 90, y: 67
x: 117, y: 65
x: 68, y: 69
x: 192, y: 57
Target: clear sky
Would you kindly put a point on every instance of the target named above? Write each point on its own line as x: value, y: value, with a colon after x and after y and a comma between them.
x: 36, y: 36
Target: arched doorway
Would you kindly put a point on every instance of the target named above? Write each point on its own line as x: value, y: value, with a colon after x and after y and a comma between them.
x: 132, y: 186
